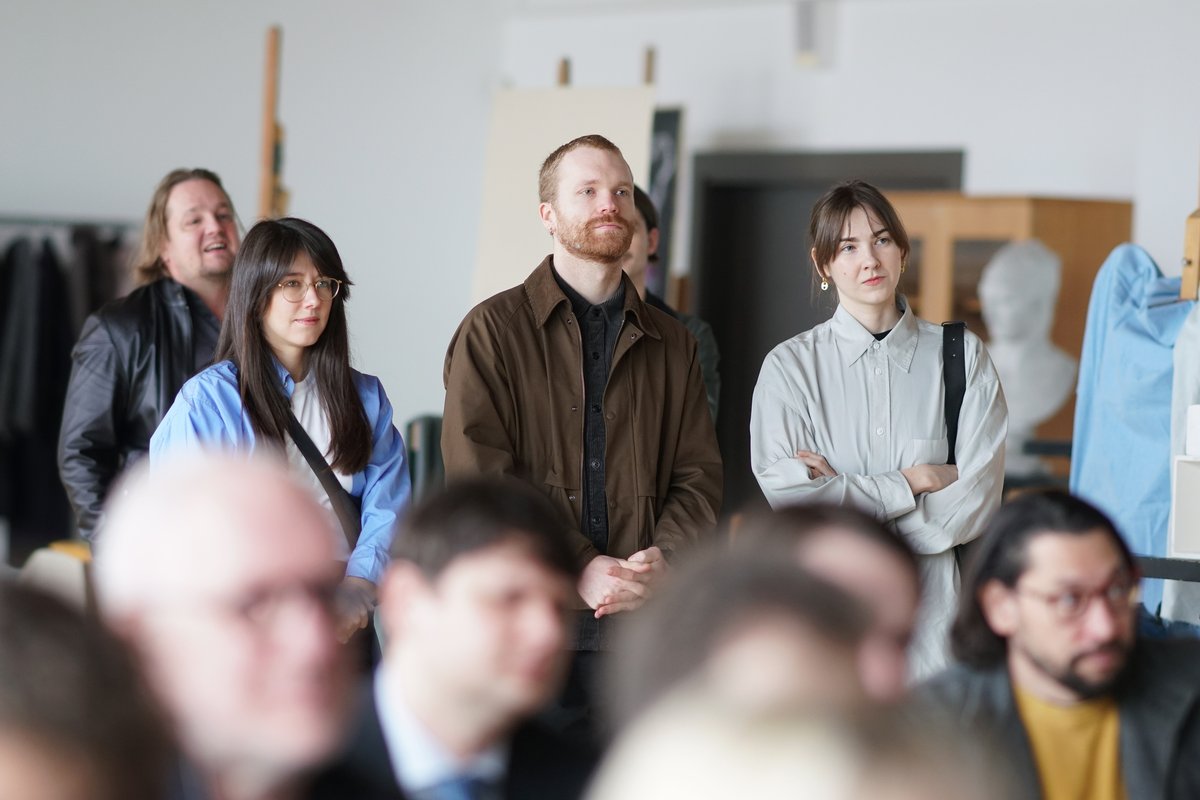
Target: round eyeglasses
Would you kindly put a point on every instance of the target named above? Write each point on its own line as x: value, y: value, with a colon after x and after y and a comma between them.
x: 294, y: 289
x: 1120, y: 595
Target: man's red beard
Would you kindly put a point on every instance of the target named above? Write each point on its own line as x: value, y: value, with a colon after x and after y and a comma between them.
x: 583, y: 240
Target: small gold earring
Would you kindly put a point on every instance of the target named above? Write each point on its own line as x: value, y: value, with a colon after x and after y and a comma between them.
x: 824, y: 285
x: 903, y: 267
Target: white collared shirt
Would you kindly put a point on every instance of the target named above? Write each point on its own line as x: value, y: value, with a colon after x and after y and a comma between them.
x: 872, y: 408
x: 419, y: 760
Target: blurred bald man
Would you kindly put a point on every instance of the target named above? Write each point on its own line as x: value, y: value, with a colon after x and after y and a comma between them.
x: 219, y: 571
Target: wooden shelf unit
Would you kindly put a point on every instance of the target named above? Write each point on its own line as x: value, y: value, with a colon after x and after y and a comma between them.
x: 1081, y: 232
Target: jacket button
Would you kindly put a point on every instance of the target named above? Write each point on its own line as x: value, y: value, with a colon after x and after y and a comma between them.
x: 611, y: 415
x: 571, y: 497
x: 574, y: 408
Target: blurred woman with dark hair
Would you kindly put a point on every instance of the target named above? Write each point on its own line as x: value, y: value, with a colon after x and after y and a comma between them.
x: 283, y: 379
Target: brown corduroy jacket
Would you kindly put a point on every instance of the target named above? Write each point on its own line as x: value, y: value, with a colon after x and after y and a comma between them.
x: 515, y: 405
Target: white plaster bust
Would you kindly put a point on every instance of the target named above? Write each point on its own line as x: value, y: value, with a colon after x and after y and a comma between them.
x: 1018, y: 291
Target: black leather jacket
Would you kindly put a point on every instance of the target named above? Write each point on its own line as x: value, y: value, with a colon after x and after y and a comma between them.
x: 131, y: 359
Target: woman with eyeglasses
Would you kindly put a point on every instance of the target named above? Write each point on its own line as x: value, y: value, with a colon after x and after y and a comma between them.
x: 282, y: 380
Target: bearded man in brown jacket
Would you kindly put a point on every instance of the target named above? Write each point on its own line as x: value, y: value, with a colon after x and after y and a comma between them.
x: 574, y: 384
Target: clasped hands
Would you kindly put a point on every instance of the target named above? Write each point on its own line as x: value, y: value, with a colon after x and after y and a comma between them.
x: 612, y: 585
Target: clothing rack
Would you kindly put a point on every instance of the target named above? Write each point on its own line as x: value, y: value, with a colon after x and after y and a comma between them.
x: 64, y: 222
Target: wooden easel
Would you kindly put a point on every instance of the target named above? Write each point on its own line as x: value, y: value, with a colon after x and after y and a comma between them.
x: 272, y: 197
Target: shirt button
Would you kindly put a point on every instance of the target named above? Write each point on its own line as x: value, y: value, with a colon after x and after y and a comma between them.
x: 595, y: 408
x: 879, y: 431
x: 595, y: 520
x: 594, y: 463
x: 595, y: 356
x: 878, y: 371
x: 875, y: 346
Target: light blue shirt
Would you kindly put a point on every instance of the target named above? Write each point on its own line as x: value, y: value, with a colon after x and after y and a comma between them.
x: 208, y: 412
x: 1121, y: 450
x: 420, y: 762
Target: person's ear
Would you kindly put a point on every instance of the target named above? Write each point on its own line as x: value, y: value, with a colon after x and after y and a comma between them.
x: 652, y: 242
x: 549, y: 218
x: 813, y: 255
x: 999, y: 605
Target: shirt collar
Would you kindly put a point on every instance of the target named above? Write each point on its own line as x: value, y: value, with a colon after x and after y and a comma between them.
x: 545, y: 295
x: 854, y: 340
x: 286, y: 381
x: 613, y: 307
x: 419, y: 761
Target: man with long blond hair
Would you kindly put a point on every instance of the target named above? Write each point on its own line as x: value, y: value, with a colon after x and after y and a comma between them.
x: 135, y: 352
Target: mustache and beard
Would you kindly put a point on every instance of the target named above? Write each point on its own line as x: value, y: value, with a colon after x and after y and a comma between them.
x: 583, y: 239
x: 1073, y: 677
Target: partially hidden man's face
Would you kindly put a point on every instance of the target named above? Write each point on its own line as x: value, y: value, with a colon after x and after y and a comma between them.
x: 1070, y: 618
x: 591, y: 214
x: 886, y: 587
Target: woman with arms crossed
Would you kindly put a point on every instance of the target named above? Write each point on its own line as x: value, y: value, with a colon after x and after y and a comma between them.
x: 852, y: 411
x: 284, y: 351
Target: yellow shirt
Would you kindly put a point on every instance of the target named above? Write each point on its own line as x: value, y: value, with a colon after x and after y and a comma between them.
x: 1076, y: 748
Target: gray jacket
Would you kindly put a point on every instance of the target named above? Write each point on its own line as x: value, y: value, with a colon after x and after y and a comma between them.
x: 1159, y: 704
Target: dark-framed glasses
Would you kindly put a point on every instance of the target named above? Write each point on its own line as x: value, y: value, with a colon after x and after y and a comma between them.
x: 1120, y: 595
x: 294, y: 289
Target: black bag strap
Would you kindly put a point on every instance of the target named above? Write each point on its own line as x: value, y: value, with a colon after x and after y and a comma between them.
x: 954, y: 374
x: 343, y: 504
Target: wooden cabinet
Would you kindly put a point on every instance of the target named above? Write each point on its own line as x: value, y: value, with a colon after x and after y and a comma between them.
x: 954, y: 236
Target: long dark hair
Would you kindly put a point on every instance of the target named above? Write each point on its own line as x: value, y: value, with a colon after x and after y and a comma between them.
x: 1001, y: 556
x: 265, y: 257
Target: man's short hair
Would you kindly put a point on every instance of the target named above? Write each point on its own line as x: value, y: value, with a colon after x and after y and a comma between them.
x: 478, y: 513
x: 645, y: 207
x: 148, y: 264
x: 707, y: 600
x: 69, y: 685
x: 1001, y: 555
x: 792, y: 526
x: 548, y: 175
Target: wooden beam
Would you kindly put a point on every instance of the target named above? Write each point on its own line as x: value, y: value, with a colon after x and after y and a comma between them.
x: 268, y: 181
x: 564, y: 72
x: 648, y: 67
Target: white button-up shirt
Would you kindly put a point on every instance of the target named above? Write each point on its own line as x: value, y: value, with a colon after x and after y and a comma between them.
x: 872, y: 408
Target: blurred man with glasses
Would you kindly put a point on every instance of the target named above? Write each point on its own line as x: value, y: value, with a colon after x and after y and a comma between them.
x: 219, y: 571
x: 1052, y: 672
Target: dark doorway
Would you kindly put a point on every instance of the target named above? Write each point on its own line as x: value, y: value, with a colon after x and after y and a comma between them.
x: 751, y: 274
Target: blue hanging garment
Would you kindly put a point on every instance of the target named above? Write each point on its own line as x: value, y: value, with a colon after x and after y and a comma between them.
x: 1121, y: 452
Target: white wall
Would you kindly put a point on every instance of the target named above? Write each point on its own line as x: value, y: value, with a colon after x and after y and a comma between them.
x: 385, y: 106
x: 1053, y: 97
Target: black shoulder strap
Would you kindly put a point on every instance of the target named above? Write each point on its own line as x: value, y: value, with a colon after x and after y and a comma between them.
x: 954, y: 374
x: 343, y: 504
